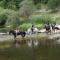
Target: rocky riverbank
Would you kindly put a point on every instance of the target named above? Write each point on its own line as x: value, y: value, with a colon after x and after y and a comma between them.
x: 33, y: 36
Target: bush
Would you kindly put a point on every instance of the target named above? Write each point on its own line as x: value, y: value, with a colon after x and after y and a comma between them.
x: 25, y: 26
x: 41, y: 18
x: 57, y: 19
x: 39, y: 26
x: 28, y: 25
x: 3, y: 18
x: 8, y: 17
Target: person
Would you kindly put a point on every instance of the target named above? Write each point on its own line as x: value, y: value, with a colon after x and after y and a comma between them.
x: 17, y: 30
x: 32, y: 28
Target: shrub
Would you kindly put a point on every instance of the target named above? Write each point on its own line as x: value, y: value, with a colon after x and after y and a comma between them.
x: 39, y: 26
x: 41, y: 18
x: 25, y: 26
x: 3, y: 18
x: 28, y: 25
x: 57, y: 19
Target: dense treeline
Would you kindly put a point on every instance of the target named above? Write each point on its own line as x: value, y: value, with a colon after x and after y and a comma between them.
x: 15, y: 4
x: 17, y: 12
x: 11, y: 4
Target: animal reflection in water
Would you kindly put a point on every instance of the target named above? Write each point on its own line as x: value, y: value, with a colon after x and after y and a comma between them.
x: 32, y: 43
x: 32, y: 31
x: 22, y: 33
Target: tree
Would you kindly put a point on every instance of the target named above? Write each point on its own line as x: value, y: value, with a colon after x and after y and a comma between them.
x: 13, y: 20
x: 17, y: 2
x: 11, y: 4
x: 40, y: 1
x: 53, y: 4
x: 26, y: 8
x: 37, y: 1
x: 2, y: 20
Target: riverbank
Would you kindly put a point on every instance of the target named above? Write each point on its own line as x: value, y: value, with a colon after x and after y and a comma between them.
x: 42, y: 38
x: 33, y: 36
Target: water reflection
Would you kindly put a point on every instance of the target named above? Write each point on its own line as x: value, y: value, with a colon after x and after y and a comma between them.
x: 46, y: 50
x: 32, y: 43
x: 58, y: 41
x: 35, y: 42
x: 43, y: 49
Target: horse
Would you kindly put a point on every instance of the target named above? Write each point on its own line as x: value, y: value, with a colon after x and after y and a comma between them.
x: 30, y: 31
x: 48, y: 28
x: 56, y: 27
x: 22, y: 33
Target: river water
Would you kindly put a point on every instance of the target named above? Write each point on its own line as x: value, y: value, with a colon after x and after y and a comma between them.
x: 43, y: 50
x: 33, y: 49
x: 47, y: 50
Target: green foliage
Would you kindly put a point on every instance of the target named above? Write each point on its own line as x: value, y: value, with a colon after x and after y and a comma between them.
x: 27, y: 4
x: 38, y: 6
x: 39, y: 26
x: 11, y: 17
x: 11, y: 4
x: 57, y: 20
x: 25, y: 26
x: 41, y: 18
x: 2, y: 20
x: 26, y: 8
x: 28, y: 25
x: 40, y: 1
x: 17, y: 2
x: 53, y: 4
x: 37, y: 1
x: 13, y: 21
x: 19, y: 12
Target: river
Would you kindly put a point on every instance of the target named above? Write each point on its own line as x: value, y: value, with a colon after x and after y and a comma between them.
x: 45, y: 50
